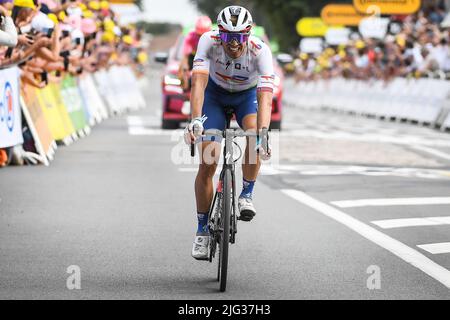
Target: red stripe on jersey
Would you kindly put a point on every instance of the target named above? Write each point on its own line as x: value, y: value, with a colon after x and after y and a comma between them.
x: 264, y: 89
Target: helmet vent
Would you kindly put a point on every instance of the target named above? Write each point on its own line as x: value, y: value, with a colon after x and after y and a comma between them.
x: 234, y: 20
x: 245, y: 17
x: 224, y: 18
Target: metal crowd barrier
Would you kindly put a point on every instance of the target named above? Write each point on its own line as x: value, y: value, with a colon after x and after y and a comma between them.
x: 62, y: 112
x: 425, y: 101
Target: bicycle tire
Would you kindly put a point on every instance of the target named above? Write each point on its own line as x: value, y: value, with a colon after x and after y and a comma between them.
x: 225, y: 226
x: 218, y: 268
x: 212, y: 229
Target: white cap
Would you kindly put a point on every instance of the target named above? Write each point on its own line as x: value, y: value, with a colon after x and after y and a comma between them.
x: 117, y: 31
x: 77, y: 33
x: 41, y: 22
x: 74, y: 11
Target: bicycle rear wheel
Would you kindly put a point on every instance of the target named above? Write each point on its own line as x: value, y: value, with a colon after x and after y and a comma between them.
x: 218, y: 268
x: 225, y: 226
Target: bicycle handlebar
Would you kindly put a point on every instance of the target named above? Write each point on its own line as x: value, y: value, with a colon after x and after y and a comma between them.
x: 222, y: 133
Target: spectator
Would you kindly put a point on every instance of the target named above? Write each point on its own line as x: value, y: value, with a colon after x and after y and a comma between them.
x: 202, y: 25
x: 419, y: 47
x: 8, y: 33
x: 71, y: 37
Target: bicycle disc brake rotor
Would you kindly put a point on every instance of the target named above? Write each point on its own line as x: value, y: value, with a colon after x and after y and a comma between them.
x: 214, y: 227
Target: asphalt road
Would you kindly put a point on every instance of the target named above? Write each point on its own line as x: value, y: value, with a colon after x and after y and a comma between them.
x: 119, y: 205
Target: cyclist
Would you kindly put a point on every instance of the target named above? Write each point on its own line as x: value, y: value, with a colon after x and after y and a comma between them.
x: 202, y: 25
x: 231, y: 69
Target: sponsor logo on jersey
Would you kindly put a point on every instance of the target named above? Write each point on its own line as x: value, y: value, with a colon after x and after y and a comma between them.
x: 236, y: 79
x: 198, y: 63
x: 255, y: 46
x: 272, y: 78
x: 220, y: 62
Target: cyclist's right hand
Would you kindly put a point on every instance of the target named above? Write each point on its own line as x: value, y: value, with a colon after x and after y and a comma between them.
x: 193, y: 130
x: 263, y: 146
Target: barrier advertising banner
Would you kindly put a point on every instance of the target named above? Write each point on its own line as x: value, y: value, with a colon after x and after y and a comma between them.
x: 55, y: 92
x: 387, y: 6
x: 73, y: 103
x: 10, y: 115
x: 36, y: 121
x: 92, y: 98
x: 54, y: 118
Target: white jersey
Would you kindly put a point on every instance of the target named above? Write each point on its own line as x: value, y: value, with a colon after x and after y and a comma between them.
x: 254, y: 68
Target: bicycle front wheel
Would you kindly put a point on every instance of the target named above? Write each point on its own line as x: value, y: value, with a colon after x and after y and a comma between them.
x: 225, y: 227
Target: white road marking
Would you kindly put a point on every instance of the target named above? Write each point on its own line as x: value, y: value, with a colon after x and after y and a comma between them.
x: 134, y: 121
x: 396, y: 247
x: 391, y: 202
x: 142, y: 131
x: 408, y: 140
x: 436, y: 248
x: 411, y: 222
x: 146, y: 126
x: 434, y: 152
x: 324, y: 170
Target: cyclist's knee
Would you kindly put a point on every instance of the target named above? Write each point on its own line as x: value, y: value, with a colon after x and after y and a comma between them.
x: 249, y: 122
x: 207, y: 171
x: 210, y: 152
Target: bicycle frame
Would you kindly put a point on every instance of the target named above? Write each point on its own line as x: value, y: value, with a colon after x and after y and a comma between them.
x: 222, y: 218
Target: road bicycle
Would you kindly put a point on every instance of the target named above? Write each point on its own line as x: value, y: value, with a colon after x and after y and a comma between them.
x: 222, y: 218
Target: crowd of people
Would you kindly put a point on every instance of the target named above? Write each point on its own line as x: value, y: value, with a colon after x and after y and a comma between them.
x: 48, y: 38
x: 415, y: 46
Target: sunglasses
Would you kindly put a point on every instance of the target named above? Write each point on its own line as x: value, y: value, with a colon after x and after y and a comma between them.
x: 227, y: 37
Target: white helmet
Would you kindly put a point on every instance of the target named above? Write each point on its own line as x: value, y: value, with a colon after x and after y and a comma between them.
x: 235, y: 19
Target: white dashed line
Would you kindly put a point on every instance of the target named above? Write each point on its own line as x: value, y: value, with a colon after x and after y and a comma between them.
x: 142, y: 131
x: 408, y: 140
x: 396, y: 247
x: 434, y: 152
x: 325, y: 170
x: 411, y: 222
x: 436, y: 248
x: 391, y: 202
x: 147, y: 126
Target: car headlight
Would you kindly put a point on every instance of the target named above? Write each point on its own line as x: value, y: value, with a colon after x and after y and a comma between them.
x: 172, y: 80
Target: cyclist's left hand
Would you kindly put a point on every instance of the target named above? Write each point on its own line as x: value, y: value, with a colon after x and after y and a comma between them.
x: 263, y: 145
x: 194, y: 129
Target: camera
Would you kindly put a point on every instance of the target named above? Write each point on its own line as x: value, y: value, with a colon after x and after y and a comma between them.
x: 49, y: 32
